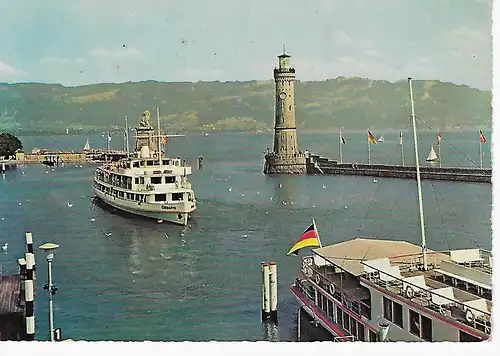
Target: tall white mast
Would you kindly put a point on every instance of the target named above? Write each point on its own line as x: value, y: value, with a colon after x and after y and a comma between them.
x: 419, y: 186
x: 126, y: 136
x: 159, y: 136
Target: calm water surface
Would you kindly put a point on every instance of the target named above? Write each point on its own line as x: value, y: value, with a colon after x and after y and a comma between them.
x: 138, y: 284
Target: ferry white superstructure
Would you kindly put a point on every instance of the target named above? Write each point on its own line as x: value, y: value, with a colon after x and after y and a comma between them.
x: 146, y: 183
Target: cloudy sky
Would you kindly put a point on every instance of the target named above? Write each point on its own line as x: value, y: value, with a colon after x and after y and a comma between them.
x: 89, y: 41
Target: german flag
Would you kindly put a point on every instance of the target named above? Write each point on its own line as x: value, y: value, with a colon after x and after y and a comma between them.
x: 371, y: 139
x: 309, y: 238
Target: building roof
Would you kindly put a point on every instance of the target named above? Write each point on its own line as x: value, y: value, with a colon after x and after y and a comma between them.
x: 348, y: 254
x: 9, y: 293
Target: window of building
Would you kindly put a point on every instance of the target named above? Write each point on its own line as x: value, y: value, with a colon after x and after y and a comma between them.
x: 330, y: 309
x: 339, y: 316
x: 426, y: 327
x: 420, y: 326
x: 393, y: 312
x: 177, y: 196
x: 466, y: 337
x: 387, y: 308
x: 160, y: 197
x: 345, y: 319
x: 414, y: 323
x: 361, y: 332
x: 155, y: 180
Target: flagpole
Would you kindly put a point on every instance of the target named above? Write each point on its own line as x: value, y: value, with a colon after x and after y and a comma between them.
x: 369, y: 151
x: 317, y: 232
x: 480, y: 151
x: 340, y: 145
x: 439, y: 149
x: 401, y: 144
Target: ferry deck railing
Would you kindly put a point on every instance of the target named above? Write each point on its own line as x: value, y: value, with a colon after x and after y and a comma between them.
x: 424, y: 296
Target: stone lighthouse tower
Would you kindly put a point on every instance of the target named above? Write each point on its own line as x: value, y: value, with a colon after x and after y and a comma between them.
x: 285, y: 157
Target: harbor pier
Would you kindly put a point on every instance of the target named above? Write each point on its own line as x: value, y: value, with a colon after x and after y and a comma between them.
x: 322, y: 165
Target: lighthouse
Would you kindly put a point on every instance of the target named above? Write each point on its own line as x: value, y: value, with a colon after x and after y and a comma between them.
x: 285, y: 157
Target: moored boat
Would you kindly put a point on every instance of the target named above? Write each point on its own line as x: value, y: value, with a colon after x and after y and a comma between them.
x: 371, y: 290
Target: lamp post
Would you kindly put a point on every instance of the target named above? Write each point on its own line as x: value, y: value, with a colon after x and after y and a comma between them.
x: 49, y: 247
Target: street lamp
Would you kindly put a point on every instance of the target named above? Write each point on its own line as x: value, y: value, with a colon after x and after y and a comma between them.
x: 49, y: 247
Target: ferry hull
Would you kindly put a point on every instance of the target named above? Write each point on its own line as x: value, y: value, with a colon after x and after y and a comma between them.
x: 179, y: 218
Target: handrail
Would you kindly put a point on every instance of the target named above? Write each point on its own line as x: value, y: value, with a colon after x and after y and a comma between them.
x: 341, y: 290
x: 428, y: 294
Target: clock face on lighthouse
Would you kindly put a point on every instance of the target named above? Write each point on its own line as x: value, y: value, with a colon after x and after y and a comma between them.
x: 282, y: 95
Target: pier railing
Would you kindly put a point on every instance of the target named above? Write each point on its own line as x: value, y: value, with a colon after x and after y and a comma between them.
x: 325, y: 281
x: 441, y: 300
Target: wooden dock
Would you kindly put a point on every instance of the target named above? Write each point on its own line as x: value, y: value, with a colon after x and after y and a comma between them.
x: 12, y: 319
x: 322, y: 165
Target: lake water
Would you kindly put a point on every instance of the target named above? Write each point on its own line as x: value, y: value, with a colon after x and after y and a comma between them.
x: 139, y: 285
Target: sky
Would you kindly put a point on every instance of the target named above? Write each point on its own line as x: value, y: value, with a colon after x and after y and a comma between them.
x: 81, y: 42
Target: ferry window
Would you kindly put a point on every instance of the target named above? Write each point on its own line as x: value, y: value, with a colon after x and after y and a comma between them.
x: 155, y: 180
x: 345, y: 318
x: 426, y: 326
x: 330, y: 308
x: 320, y: 301
x: 373, y: 336
x: 141, y: 180
x: 160, y: 197
x: 166, y: 162
x: 135, y: 164
x: 177, y: 196
x: 149, y: 163
x: 353, y: 326
x: 387, y: 308
x: 339, y: 316
x: 361, y: 332
x: 398, y: 314
x: 467, y: 337
x: 169, y: 180
x: 414, y: 323
x: 137, y: 180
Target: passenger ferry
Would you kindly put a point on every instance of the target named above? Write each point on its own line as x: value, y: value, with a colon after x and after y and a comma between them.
x: 366, y: 289
x: 146, y: 183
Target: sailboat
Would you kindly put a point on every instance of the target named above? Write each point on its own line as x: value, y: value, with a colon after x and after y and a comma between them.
x: 432, y: 157
x: 368, y: 289
x: 381, y: 139
x: 87, y: 145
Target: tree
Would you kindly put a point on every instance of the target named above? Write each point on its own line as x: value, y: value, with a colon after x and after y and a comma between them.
x: 9, y: 144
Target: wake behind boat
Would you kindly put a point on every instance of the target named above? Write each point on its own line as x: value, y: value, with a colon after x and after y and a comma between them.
x: 146, y: 183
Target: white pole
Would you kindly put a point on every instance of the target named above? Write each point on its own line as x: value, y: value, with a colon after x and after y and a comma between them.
x: 439, y: 149
x: 273, y: 286
x: 266, y: 303
x: 340, y: 145
x: 126, y: 136
x: 298, y: 323
x: 401, y: 144
x: 50, y: 256
x: 480, y: 151
x: 369, y: 152
x: 419, y: 186
x: 29, y: 297
x: 315, y: 228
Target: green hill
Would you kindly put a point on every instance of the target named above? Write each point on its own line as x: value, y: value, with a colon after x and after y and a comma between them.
x: 352, y: 103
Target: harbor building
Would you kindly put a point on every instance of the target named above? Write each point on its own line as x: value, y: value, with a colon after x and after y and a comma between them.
x: 285, y: 157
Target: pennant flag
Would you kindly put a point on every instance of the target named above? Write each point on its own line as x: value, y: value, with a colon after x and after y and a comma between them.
x: 309, y: 238
x: 401, y: 137
x: 482, y: 138
x: 371, y: 139
x: 439, y: 138
x: 342, y: 139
